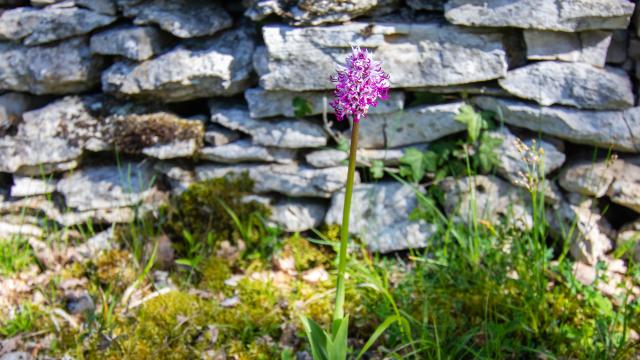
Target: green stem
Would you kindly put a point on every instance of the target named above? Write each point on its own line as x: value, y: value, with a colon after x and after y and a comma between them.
x: 338, y: 312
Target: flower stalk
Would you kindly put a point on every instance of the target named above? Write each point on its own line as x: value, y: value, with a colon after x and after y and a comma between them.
x: 344, y: 230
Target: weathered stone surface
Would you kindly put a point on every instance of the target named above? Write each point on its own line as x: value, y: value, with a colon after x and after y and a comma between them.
x: 334, y: 157
x: 182, y: 18
x: 590, y: 241
x: 219, y: 66
x: 575, y: 84
x: 589, y: 47
x: 135, y: 43
x: 589, y: 178
x: 512, y: 164
x: 625, y: 189
x: 106, y: 187
x: 379, y: 216
x: 246, y: 151
x: 414, y: 125
x: 281, y: 133
x: 607, y: 129
x: 38, y: 26
x: 617, y: 53
x: 12, y: 106
x: 305, y: 12
x: 263, y: 103
x: 295, y: 215
x: 38, y: 156
x: 496, y: 201
x: 420, y: 54
x: 541, y: 14
x: 57, y: 69
x: 426, y: 4
x: 292, y: 180
x: 217, y: 135
x: 178, y: 177
x: 98, y: 123
x: 27, y: 186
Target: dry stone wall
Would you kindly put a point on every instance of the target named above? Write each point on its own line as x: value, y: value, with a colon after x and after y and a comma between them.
x: 107, y: 105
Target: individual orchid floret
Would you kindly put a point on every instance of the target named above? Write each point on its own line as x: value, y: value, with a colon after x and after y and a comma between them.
x: 359, y: 84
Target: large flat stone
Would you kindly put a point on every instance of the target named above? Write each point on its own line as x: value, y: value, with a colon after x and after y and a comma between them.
x: 304, y: 12
x: 574, y: 84
x: 607, y: 129
x: 334, y: 157
x: 588, y: 177
x: 295, y: 215
x: 419, y: 54
x: 182, y: 18
x: 246, y: 151
x: 489, y: 198
x: 379, y: 216
x: 625, y: 189
x: 29, y: 186
x: 39, y: 156
x: 106, y: 187
x: 589, y: 47
x: 284, y: 133
x: 412, y: 126
x: 291, y: 180
x: 263, y: 103
x: 541, y: 14
x: 135, y: 43
x: 512, y: 164
x: 62, y: 68
x: 220, y: 66
x: 35, y: 26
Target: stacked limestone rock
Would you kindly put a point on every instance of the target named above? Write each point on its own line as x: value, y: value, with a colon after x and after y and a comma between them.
x: 185, y: 90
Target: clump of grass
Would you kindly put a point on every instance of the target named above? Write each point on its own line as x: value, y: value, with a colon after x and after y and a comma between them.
x: 15, y: 255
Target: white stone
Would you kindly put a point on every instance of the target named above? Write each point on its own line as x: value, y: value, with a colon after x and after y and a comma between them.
x: 295, y: 215
x: 588, y: 47
x: 27, y: 186
x: 245, y: 151
x: 135, y: 43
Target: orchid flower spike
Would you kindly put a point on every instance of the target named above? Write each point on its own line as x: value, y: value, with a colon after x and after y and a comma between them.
x: 359, y: 84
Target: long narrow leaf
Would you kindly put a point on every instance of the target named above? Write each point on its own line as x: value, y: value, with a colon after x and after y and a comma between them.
x: 379, y: 331
x: 337, y: 349
x: 318, y: 338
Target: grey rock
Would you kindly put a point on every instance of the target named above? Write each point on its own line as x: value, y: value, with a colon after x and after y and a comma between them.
x: 291, y: 180
x: 106, y: 187
x: 36, y: 157
x: 541, y: 14
x: 246, y: 151
x: 487, y: 88
x: 496, y: 201
x: 590, y: 241
x: 379, y: 216
x: 512, y: 164
x: 607, y: 129
x: 178, y: 177
x: 420, y: 54
x: 412, y: 126
x: 574, y: 84
x: 102, y: 6
x: 295, y: 215
x: 98, y: 123
x: 589, y: 47
x: 305, y: 12
x: 9, y: 230
x: 135, y: 43
x: 217, y: 135
x: 219, y: 66
x: 427, y: 4
x: 27, y: 186
x: 17, y: 355
x: 62, y: 68
x: 589, y: 178
x: 12, y: 106
x: 263, y: 103
x: 38, y: 26
x: 625, y: 189
x: 80, y: 303
x: 617, y: 53
x: 290, y: 134
x: 182, y: 18
x: 96, y: 244
x: 364, y: 157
